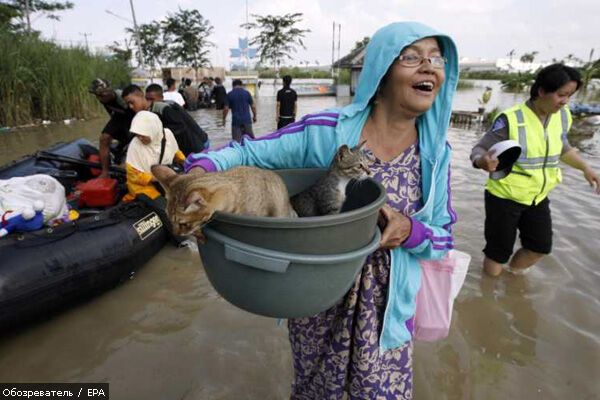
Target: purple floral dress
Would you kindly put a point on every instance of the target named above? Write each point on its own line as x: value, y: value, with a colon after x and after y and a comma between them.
x: 337, y: 351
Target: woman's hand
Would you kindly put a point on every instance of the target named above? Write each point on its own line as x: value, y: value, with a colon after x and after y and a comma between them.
x: 396, y: 228
x: 592, y: 178
x: 487, y: 162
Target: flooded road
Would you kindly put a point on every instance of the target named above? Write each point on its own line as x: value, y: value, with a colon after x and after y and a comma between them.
x: 167, y: 335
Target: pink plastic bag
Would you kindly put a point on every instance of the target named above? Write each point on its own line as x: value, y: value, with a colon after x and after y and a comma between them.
x: 441, y: 281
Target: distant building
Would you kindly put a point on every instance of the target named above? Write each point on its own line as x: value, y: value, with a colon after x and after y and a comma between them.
x: 186, y: 72
x: 516, y: 65
x: 471, y: 65
x: 353, y: 62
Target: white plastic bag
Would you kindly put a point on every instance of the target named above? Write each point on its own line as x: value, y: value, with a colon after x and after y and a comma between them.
x: 19, y: 193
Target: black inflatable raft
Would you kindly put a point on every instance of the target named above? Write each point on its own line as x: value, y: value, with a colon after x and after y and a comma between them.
x: 49, y: 269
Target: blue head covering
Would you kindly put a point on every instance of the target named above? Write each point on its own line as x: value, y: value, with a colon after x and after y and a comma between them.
x: 382, y: 50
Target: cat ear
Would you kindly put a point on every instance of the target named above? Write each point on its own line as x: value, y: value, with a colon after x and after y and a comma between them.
x: 194, y: 202
x: 342, y: 151
x: 361, y: 144
x: 164, y: 175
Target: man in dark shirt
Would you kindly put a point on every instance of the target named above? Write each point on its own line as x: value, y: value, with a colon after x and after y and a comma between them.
x: 219, y: 93
x: 240, y: 101
x: 286, y: 103
x: 118, y: 125
x: 190, y: 137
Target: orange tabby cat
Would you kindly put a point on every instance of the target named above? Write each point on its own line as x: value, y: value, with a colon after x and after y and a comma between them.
x: 193, y: 199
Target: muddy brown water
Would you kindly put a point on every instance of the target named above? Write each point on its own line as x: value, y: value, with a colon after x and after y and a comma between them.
x: 166, y: 334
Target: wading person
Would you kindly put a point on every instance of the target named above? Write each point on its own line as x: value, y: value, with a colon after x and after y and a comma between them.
x: 154, y: 93
x: 287, y: 105
x: 190, y: 94
x: 117, y: 127
x: 219, y: 93
x: 171, y: 94
x: 519, y: 200
x: 239, y: 100
x: 190, y: 137
x: 402, y: 109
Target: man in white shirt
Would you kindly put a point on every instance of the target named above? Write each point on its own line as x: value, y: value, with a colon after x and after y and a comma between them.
x: 172, y: 94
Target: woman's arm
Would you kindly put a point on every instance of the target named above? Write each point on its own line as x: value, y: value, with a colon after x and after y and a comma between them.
x: 434, y: 239
x: 573, y: 159
x: 480, y: 155
x: 311, y: 142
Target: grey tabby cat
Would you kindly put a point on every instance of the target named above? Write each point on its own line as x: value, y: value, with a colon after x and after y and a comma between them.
x: 328, y: 193
x: 192, y: 199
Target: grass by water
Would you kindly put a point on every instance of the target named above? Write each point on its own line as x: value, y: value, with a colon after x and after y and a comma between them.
x: 40, y: 80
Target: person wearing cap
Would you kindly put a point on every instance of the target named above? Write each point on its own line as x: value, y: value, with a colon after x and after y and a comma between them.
x: 152, y: 144
x: 517, y: 197
x: 190, y: 137
x: 117, y: 127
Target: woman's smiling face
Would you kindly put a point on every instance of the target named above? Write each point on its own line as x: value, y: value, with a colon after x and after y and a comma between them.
x: 412, y: 89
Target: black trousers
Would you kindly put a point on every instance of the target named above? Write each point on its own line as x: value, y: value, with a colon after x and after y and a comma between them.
x: 283, y: 121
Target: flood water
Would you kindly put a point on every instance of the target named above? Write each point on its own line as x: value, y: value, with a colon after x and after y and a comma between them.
x: 166, y: 334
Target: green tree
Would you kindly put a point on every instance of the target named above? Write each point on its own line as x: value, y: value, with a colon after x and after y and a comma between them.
x: 518, y: 82
x: 278, y: 36
x: 186, y: 36
x: 7, y: 15
x: 151, y: 41
x: 528, y: 57
x: 22, y: 11
x: 120, y: 51
x: 589, y: 71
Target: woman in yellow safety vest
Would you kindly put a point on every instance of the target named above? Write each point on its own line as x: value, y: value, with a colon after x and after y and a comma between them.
x: 518, y: 199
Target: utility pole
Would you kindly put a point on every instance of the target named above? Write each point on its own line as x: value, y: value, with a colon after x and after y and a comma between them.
x: 85, y: 35
x: 247, y: 43
x: 332, y: 49
x: 137, y: 36
x: 339, y: 38
x: 27, y: 12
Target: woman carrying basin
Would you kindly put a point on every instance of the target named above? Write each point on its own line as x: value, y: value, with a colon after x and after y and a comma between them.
x: 402, y: 108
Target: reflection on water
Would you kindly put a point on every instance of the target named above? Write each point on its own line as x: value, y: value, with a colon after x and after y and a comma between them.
x: 167, y: 335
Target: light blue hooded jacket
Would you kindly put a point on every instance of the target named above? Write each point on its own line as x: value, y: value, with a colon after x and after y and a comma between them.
x: 313, y: 141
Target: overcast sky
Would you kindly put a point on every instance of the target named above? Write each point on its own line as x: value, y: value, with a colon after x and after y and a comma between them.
x: 481, y: 28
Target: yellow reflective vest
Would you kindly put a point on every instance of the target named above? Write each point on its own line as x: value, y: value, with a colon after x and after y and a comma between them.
x: 536, y: 172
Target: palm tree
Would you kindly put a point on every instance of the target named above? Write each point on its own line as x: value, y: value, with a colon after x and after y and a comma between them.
x: 278, y: 36
x: 510, y: 55
x: 528, y: 57
x: 590, y: 70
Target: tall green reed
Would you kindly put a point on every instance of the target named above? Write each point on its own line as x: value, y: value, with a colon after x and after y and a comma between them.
x: 40, y: 80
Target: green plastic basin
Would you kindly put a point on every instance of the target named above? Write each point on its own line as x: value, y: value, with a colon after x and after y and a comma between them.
x: 350, y: 230
x: 278, y: 284
x: 293, y: 267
